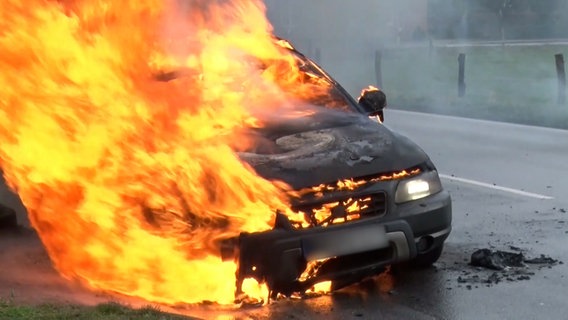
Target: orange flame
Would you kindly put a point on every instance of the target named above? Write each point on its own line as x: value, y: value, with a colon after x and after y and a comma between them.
x: 311, y: 270
x: 131, y: 182
x: 352, y: 184
x: 349, y: 209
x: 369, y: 89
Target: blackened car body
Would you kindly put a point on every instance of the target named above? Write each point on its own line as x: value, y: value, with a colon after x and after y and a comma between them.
x: 369, y: 197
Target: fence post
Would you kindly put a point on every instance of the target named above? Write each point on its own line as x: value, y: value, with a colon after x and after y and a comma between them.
x: 378, y: 68
x: 461, y: 75
x: 561, y: 72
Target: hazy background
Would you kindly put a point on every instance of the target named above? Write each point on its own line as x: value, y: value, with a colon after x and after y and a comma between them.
x: 510, y: 45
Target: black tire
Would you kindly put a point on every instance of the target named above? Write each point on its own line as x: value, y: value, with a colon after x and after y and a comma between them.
x: 422, y: 261
x: 427, y: 259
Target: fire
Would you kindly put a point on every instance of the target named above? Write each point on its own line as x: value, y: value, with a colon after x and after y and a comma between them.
x: 312, y: 269
x: 131, y: 182
x: 349, y: 209
x: 254, y: 291
x: 352, y: 208
x: 369, y: 89
x: 352, y: 184
x: 323, y: 287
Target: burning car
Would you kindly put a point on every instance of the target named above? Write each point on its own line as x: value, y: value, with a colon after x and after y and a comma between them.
x: 138, y: 187
x: 365, y: 196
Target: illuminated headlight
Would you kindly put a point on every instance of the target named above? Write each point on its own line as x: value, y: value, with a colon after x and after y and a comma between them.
x: 418, y: 187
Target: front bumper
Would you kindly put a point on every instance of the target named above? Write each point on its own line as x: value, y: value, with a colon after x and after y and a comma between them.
x: 351, y: 251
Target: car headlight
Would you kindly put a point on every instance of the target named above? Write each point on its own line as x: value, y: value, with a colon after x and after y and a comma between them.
x: 418, y: 187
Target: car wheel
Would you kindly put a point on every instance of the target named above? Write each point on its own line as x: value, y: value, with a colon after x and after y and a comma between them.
x: 422, y: 261
x: 426, y: 260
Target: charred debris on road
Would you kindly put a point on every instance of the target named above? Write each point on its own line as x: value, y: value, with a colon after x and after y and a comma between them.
x: 503, y: 266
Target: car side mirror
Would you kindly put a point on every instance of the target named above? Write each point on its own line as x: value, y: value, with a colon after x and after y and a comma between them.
x: 373, y: 100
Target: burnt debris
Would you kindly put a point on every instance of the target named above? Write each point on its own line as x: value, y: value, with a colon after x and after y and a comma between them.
x: 496, y: 260
x: 493, y: 267
x: 542, y: 260
x: 490, y: 267
x: 502, y: 260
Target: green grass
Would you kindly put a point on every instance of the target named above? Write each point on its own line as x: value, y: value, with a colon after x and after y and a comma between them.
x: 508, y: 83
x: 110, y: 311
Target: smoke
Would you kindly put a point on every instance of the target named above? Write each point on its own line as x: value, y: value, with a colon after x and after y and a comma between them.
x: 510, y: 72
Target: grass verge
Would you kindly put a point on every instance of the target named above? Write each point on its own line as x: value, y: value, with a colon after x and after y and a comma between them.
x: 107, y: 311
x: 505, y: 83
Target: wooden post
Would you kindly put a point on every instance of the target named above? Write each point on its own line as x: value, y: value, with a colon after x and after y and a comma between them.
x: 561, y: 72
x: 378, y: 68
x: 461, y: 75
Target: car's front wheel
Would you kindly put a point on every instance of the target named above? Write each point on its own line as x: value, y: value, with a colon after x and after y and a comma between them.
x: 427, y: 259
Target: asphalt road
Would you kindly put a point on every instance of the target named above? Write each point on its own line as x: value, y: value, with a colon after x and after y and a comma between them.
x: 508, y: 184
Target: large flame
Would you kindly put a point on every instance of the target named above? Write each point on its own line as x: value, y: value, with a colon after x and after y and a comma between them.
x: 130, y: 182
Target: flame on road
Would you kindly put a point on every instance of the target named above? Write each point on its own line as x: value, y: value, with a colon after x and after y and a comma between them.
x: 131, y: 182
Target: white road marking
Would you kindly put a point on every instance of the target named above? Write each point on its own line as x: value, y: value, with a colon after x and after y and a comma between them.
x: 495, y: 187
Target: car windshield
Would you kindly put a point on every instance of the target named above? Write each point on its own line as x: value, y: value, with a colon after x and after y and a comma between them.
x: 313, y: 86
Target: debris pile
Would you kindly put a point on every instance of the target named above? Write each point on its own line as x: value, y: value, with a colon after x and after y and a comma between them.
x: 503, y: 260
x: 494, y: 266
x: 496, y: 260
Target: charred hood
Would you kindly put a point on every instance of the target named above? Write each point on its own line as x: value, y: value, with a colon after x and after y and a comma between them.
x: 329, y: 146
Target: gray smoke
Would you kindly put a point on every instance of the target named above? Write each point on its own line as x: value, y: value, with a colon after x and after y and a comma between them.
x: 510, y: 71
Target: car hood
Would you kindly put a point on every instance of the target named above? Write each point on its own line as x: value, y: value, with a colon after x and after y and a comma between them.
x: 325, y: 148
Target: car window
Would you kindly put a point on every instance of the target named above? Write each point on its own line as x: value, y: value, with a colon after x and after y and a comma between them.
x: 327, y: 93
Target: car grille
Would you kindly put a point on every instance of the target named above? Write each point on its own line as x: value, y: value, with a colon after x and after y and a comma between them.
x: 343, y: 209
x: 377, y: 205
